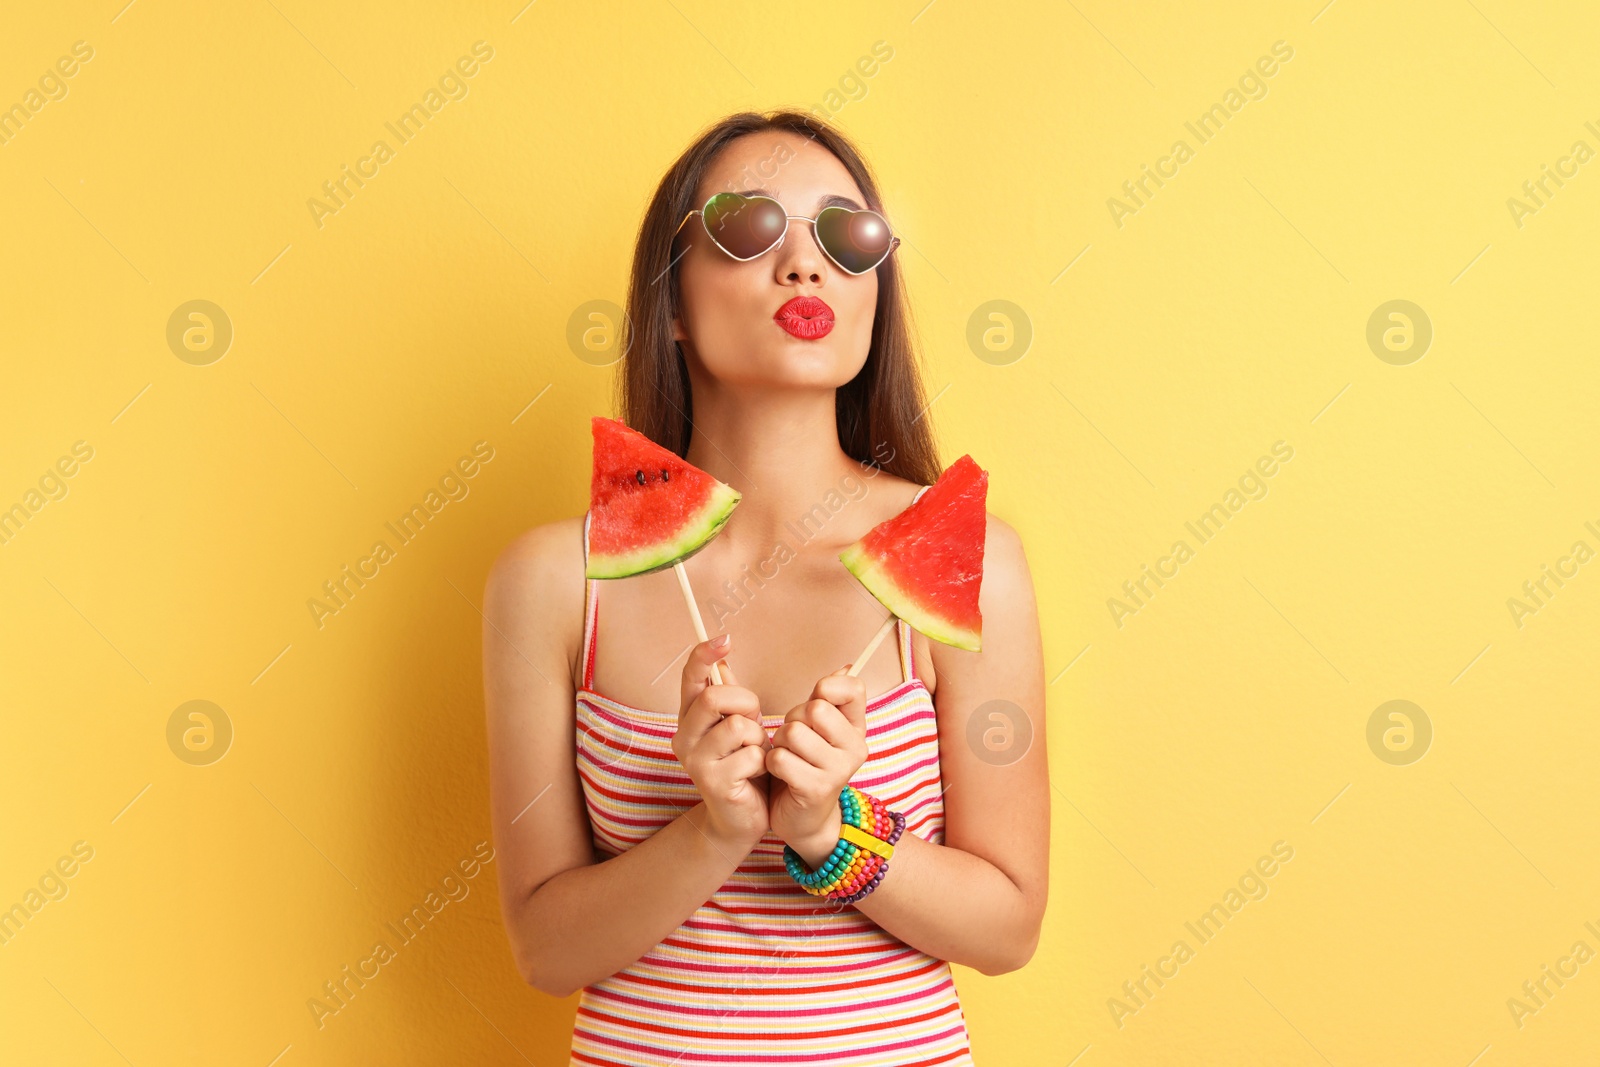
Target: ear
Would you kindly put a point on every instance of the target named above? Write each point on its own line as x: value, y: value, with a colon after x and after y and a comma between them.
x: 678, y: 332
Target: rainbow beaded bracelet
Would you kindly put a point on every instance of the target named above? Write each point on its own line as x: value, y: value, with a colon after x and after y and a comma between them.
x: 867, y: 833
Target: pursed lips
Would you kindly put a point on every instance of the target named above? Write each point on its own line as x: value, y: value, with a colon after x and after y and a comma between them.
x: 805, y: 317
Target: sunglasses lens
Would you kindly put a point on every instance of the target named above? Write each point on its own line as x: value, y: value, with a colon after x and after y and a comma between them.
x: 745, y: 226
x: 857, y: 240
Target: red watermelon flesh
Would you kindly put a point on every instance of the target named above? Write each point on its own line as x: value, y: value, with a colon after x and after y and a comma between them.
x: 648, y: 508
x: 926, y: 563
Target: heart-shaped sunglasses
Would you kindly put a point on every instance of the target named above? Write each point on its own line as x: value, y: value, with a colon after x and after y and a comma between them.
x: 745, y: 227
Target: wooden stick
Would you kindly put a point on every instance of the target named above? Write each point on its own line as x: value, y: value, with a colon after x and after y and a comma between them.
x: 694, y: 613
x: 872, y: 646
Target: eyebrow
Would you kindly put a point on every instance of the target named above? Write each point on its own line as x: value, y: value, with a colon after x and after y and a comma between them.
x: 831, y: 200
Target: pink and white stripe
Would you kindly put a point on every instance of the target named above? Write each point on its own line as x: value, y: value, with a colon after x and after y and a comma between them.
x: 763, y: 972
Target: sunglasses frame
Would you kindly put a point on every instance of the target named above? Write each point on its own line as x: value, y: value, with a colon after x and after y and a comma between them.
x: 894, y: 242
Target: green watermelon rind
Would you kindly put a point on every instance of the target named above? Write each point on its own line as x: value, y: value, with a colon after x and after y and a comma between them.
x: 694, y: 535
x: 870, y: 573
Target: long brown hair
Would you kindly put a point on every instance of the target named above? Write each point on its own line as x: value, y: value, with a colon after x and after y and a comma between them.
x: 880, y: 412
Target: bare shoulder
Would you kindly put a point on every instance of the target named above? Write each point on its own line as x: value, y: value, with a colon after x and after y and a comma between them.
x: 1002, y: 551
x: 533, y: 596
x: 894, y: 493
x: 1006, y: 594
x: 548, y: 547
x: 1006, y: 600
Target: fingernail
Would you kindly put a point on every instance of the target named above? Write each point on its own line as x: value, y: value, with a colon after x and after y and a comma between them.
x: 721, y: 642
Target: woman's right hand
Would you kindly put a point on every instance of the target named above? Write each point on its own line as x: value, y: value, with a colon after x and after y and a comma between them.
x: 722, y: 745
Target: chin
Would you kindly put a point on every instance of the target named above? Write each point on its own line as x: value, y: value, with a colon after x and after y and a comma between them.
x: 800, y: 364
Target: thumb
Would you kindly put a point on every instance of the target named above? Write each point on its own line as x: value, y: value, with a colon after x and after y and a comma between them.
x: 697, y: 668
x: 847, y: 694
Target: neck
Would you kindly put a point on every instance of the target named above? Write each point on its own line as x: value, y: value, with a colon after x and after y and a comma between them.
x: 779, y: 447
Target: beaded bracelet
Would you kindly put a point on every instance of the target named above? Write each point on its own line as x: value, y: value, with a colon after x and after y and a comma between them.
x: 867, y: 833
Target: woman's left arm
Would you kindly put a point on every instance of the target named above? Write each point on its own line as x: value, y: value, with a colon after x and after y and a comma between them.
x: 978, y: 899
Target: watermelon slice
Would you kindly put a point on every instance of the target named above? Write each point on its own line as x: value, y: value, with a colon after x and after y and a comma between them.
x: 648, y: 509
x: 926, y: 563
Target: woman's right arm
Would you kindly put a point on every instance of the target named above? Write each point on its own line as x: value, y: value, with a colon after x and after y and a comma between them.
x: 573, y: 920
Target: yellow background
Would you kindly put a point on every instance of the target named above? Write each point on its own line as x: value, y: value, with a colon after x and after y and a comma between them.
x: 1228, y: 313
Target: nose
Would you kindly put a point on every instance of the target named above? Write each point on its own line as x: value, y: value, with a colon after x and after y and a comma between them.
x: 800, y: 260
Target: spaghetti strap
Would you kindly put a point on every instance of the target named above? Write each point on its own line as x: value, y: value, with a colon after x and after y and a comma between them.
x: 908, y: 667
x: 591, y: 616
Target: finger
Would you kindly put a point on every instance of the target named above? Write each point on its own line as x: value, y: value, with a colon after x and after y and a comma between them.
x: 696, y: 674
x: 729, y: 735
x: 828, y: 722
x: 715, y: 703
x: 790, y: 768
x: 735, y: 700
x: 804, y: 742
x: 847, y: 694
x: 746, y: 763
x: 732, y: 733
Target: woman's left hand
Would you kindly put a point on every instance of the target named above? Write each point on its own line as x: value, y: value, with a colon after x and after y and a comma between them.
x: 820, y: 745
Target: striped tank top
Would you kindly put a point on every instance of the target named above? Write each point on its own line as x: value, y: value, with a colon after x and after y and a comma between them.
x: 763, y: 972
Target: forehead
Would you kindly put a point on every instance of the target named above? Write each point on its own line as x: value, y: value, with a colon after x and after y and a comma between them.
x: 792, y: 169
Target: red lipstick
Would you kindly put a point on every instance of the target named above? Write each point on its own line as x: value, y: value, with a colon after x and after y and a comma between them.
x: 806, y: 317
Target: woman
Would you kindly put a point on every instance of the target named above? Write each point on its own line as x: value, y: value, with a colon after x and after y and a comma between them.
x: 643, y: 847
